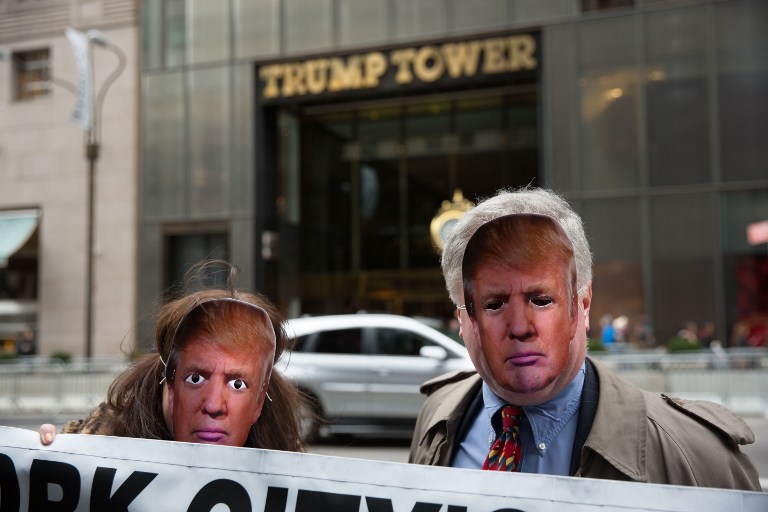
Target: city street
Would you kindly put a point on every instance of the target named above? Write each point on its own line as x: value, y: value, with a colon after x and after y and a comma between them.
x: 397, y: 450
x: 355, y: 211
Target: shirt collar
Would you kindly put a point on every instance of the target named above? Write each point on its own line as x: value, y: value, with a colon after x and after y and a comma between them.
x: 547, y: 419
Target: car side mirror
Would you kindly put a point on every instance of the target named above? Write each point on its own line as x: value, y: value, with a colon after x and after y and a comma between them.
x: 433, y: 352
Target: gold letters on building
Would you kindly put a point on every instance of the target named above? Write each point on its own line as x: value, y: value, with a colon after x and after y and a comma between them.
x: 424, y: 64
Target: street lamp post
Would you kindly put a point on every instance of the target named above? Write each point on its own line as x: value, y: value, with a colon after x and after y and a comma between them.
x: 88, y: 114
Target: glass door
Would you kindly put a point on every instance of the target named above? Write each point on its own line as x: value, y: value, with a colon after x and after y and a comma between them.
x: 359, y: 184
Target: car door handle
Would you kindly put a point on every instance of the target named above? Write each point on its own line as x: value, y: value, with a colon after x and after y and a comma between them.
x: 384, y: 372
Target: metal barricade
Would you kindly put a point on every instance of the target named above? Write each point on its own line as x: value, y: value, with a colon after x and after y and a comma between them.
x: 43, y: 386
x: 736, y: 378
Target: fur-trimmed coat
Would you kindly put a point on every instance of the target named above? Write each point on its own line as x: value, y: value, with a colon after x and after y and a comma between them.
x: 99, y: 421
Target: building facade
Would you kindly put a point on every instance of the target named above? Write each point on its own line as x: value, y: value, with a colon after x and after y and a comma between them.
x: 44, y: 179
x: 313, y: 143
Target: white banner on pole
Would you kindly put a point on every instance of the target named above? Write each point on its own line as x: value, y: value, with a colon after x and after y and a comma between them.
x: 79, y: 473
x: 81, y: 114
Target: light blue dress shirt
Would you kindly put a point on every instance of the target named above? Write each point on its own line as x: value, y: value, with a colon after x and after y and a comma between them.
x: 547, y: 432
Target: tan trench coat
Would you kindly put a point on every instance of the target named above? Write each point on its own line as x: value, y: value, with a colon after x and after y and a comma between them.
x: 636, y: 435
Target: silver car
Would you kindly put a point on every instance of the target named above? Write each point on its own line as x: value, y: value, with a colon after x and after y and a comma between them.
x: 363, y: 371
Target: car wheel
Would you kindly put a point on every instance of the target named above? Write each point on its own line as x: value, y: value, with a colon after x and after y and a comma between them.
x: 311, y: 417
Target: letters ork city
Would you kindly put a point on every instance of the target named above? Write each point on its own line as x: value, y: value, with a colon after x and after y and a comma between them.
x: 100, y: 473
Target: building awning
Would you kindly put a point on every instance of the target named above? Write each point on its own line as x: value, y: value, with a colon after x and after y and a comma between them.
x: 16, y: 226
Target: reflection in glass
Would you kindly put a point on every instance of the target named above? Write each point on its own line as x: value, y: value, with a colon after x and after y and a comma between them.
x: 184, y: 251
x: 676, y: 95
x: 608, y: 89
x: 614, y: 231
x: 151, y: 43
x: 745, y: 269
x: 430, y: 154
x: 742, y: 43
x: 678, y: 123
x: 164, y: 152
x: 257, y: 28
x: 207, y: 30
x: 419, y: 17
x: 363, y: 21
x: 175, y: 32
x: 362, y: 183
x: 379, y: 137
x: 209, y: 164
x: 682, y: 262
x: 308, y: 25
x: 609, y: 142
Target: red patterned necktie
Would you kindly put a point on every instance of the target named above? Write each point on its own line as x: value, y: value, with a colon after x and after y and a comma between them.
x: 506, y: 451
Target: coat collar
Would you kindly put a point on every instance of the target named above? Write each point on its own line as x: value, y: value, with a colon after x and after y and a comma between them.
x: 452, y: 407
x: 620, y: 430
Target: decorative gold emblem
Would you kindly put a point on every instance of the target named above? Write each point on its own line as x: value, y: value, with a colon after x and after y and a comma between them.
x: 446, y: 218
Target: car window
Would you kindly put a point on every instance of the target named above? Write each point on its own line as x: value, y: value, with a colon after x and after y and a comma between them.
x: 339, y: 341
x: 300, y: 344
x: 398, y: 342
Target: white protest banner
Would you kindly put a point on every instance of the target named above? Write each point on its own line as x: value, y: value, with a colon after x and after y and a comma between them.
x: 81, y: 114
x: 98, y: 473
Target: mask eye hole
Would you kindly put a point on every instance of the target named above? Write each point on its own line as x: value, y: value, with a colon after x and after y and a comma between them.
x: 493, y: 305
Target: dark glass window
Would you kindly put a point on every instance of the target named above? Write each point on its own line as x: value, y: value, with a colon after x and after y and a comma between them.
x: 430, y: 159
x: 361, y: 184
x: 308, y: 25
x: 379, y: 175
x: 362, y: 22
x: 163, y: 133
x: 164, y: 33
x: 614, y: 232
x: 742, y: 44
x: 207, y: 31
x: 604, y: 5
x: 185, y: 250
x: 19, y: 276
x: 608, y: 103
x: 682, y: 263
x: 175, y: 32
x: 210, y: 165
x: 397, y: 342
x: 256, y: 27
x: 31, y: 74
x: 561, y: 151
x: 745, y: 269
x: 342, y: 341
x: 300, y: 345
x: 676, y: 93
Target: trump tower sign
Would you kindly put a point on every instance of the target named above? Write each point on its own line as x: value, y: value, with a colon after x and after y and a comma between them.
x: 100, y: 473
x: 498, y: 59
